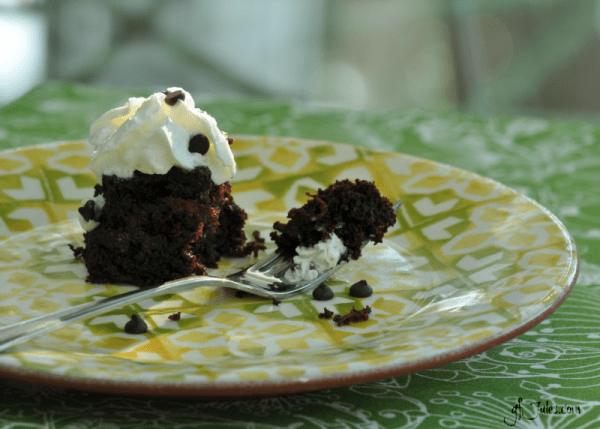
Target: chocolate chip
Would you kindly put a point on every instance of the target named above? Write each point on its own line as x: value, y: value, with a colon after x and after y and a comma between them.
x: 199, y: 144
x: 136, y: 325
x: 230, y: 141
x: 175, y: 316
x: 322, y: 293
x: 361, y: 289
x: 172, y: 97
x: 88, y: 211
x: 97, y: 190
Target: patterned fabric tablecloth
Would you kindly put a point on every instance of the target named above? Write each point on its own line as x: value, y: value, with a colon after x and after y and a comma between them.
x: 557, y: 363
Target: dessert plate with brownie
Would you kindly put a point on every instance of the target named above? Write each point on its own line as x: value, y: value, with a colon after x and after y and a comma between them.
x: 466, y: 264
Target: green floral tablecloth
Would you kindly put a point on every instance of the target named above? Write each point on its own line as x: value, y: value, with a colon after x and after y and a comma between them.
x: 557, y: 363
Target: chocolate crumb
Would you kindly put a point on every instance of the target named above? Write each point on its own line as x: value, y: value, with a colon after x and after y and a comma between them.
x: 337, y: 317
x: 361, y: 289
x: 276, y: 301
x: 230, y: 141
x: 354, y: 316
x: 199, y: 144
x: 322, y: 293
x: 136, y: 325
x: 326, y: 314
x: 257, y: 237
x: 172, y: 97
x: 77, y: 251
x: 175, y: 316
x: 254, y: 246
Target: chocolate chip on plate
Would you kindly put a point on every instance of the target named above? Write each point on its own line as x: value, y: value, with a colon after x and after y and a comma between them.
x: 136, y: 325
x: 199, y: 144
x: 97, y: 190
x: 361, y: 289
x: 322, y: 293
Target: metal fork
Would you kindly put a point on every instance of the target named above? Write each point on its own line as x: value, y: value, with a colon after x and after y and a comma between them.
x: 264, y: 278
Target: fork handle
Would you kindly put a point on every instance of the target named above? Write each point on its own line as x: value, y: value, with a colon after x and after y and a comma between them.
x: 23, y: 331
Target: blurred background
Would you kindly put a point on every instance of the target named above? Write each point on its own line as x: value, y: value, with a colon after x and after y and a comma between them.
x: 514, y: 57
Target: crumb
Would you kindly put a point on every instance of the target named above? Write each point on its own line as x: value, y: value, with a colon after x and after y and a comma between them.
x: 257, y: 237
x: 77, y: 251
x: 353, y: 317
x: 175, y: 316
x: 326, y: 314
x: 254, y: 246
x: 276, y: 301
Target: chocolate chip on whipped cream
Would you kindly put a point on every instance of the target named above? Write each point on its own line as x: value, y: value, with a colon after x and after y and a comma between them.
x: 199, y: 144
x: 173, y: 96
x: 152, y: 135
x: 87, y: 211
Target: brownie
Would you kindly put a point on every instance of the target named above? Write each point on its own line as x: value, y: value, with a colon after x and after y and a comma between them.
x: 354, y: 211
x: 159, y: 227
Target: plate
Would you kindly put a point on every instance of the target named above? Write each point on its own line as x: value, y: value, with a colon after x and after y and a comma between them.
x: 470, y: 264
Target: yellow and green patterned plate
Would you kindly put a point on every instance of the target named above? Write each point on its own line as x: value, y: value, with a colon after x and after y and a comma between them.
x: 470, y: 264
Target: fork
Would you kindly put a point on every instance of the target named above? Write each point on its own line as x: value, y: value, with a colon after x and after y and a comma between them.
x: 264, y: 278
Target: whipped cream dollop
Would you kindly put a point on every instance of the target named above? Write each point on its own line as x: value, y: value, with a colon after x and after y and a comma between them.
x: 153, y: 134
x: 312, y: 261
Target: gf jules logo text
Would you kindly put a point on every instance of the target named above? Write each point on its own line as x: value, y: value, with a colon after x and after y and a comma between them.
x: 536, y: 408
